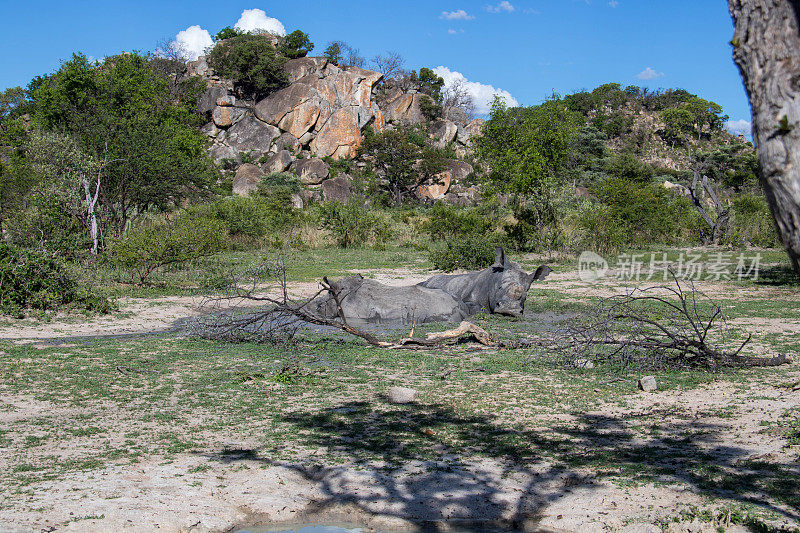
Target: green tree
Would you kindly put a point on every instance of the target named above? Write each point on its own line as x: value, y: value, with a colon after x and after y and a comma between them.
x: 59, y: 159
x: 14, y: 178
x: 705, y: 113
x: 227, y: 33
x: 678, y: 124
x: 164, y: 242
x: 12, y: 101
x: 296, y: 44
x: 252, y: 62
x: 393, y: 155
x: 527, y: 147
x: 526, y: 150
x: 429, y: 83
x: 123, y: 114
x: 333, y: 53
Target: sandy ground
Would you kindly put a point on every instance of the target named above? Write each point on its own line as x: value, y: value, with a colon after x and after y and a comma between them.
x: 237, y: 486
x: 240, y: 487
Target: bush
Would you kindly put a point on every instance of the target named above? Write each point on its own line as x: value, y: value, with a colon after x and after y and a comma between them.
x: 467, y: 235
x: 628, y: 167
x: 274, y: 180
x: 352, y: 224
x: 470, y: 254
x: 36, y: 280
x: 252, y: 62
x: 296, y: 44
x: 752, y: 222
x: 429, y: 108
x: 636, y: 214
x: 454, y: 223
x: 266, y: 212
x: 164, y: 242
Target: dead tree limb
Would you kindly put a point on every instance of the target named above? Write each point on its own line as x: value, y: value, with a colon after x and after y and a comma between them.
x: 659, y: 326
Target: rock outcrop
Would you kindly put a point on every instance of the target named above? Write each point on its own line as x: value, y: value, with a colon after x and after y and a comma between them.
x: 338, y: 189
x: 324, y: 110
x: 321, y: 113
x: 246, y: 180
x: 311, y: 171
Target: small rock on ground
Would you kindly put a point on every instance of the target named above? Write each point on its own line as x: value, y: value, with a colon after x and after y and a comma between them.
x: 648, y: 384
x: 402, y: 395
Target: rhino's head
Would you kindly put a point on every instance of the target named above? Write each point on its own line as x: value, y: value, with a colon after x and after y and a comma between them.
x: 509, y: 285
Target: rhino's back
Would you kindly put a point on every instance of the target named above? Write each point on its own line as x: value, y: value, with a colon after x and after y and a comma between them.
x: 465, y: 287
x: 375, y: 302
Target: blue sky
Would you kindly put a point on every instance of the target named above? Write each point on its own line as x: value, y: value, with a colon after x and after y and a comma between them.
x: 529, y: 48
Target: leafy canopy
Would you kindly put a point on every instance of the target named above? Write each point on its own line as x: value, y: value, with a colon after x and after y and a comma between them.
x: 527, y: 147
x: 128, y: 117
x: 252, y: 62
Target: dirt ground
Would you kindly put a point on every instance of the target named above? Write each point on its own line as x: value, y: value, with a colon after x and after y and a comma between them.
x: 233, y: 484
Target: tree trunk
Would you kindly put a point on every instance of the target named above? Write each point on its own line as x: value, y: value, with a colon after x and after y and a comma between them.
x: 766, y: 47
x: 91, y: 202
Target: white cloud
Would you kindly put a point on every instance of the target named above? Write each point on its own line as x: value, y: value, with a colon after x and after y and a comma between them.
x: 504, y: 6
x: 456, y: 15
x: 739, y: 127
x: 613, y: 3
x: 451, y: 31
x: 649, y: 74
x: 256, y: 19
x: 192, y: 42
x: 482, y: 94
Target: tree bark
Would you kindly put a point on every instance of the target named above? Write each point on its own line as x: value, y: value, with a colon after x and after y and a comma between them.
x: 766, y: 48
x: 91, y: 202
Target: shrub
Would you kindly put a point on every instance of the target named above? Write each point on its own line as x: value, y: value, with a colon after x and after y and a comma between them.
x: 252, y: 62
x: 429, y: 108
x: 164, y: 242
x: 467, y: 235
x: 227, y: 33
x: 274, y: 180
x: 752, y: 222
x: 453, y: 223
x: 599, y: 230
x: 628, y: 167
x: 352, y: 224
x: 36, y: 280
x: 470, y: 254
x: 643, y: 214
x: 265, y: 212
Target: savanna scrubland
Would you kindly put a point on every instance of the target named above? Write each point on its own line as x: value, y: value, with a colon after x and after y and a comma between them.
x: 134, y: 193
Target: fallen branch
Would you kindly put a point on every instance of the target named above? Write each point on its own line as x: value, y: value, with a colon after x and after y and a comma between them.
x: 657, y: 326
x: 465, y: 330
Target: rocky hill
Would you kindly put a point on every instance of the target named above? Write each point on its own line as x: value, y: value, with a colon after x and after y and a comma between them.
x: 321, y: 114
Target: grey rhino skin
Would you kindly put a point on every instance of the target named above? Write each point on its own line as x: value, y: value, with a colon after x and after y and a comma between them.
x: 501, y: 288
x: 367, y: 300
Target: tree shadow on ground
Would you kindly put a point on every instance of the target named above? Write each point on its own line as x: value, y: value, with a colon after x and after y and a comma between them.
x: 777, y: 276
x: 540, y: 466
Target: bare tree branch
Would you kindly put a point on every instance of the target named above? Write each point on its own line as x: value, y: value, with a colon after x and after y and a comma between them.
x: 644, y: 328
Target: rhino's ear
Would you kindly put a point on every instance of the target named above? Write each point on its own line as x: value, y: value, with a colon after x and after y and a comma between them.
x: 541, y: 273
x: 499, y: 258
